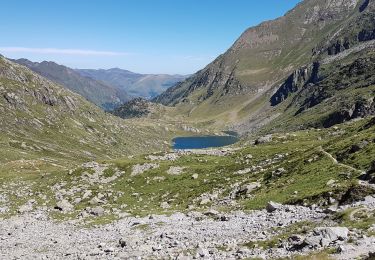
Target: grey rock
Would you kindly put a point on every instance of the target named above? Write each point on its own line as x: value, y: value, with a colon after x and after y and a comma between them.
x: 109, y: 250
x: 272, y: 206
x: 97, y: 211
x: 247, y: 188
x: 64, y: 205
x: 141, y: 168
x: 296, y: 239
x: 25, y: 208
x: 87, y: 194
x: 278, y: 172
x: 175, y: 170
x: 202, y: 252
x: 264, y: 139
x: 312, y: 241
x: 205, y: 201
x: 331, y: 182
x: 211, y: 213
x: 332, y: 233
x: 122, y: 242
x: 165, y: 205
x: 96, y: 201
x: 325, y: 236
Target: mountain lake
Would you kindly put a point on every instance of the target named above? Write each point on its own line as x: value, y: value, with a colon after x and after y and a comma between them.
x: 201, y: 142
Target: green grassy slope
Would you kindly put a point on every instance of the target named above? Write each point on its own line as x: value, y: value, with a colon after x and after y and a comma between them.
x: 304, y: 167
x: 236, y: 88
x: 42, y: 121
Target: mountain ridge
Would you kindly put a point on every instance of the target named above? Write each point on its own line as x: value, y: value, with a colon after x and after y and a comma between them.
x: 99, y: 93
x: 236, y: 87
x: 136, y: 84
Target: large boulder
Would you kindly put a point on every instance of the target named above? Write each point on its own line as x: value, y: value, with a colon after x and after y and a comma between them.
x: 248, y: 188
x: 263, y: 139
x: 97, y: 211
x: 141, y: 168
x: 272, y: 206
x: 358, y: 147
x: 64, y: 205
x: 325, y: 236
x: 332, y: 233
x: 312, y: 241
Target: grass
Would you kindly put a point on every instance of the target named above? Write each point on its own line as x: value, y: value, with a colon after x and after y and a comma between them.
x: 304, y: 180
x: 360, y: 218
x: 322, y: 255
x: 283, y: 233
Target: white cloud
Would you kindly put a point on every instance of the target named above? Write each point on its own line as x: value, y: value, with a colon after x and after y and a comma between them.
x: 61, y: 51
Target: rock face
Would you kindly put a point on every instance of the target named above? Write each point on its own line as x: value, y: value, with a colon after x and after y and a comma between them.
x: 361, y: 108
x: 47, y: 94
x: 297, y: 80
x: 312, y: 90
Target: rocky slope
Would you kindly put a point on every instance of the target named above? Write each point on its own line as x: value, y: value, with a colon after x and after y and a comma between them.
x: 99, y: 93
x: 139, y: 85
x: 285, y: 195
x: 279, y: 56
x: 339, y: 85
x: 165, y: 237
x: 333, y: 93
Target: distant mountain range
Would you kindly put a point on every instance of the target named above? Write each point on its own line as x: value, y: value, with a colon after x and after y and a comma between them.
x: 106, y: 88
x: 138, y: 85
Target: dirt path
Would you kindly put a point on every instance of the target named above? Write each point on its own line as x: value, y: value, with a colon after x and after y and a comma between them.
x: 334, y: 160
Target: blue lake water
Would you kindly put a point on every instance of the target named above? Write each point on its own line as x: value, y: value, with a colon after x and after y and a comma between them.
x: 201, y: 142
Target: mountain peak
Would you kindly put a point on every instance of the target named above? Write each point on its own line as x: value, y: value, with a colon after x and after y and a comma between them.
x: 265, y: 55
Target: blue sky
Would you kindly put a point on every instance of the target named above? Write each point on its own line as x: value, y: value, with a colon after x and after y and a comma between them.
x: 146, y: 36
